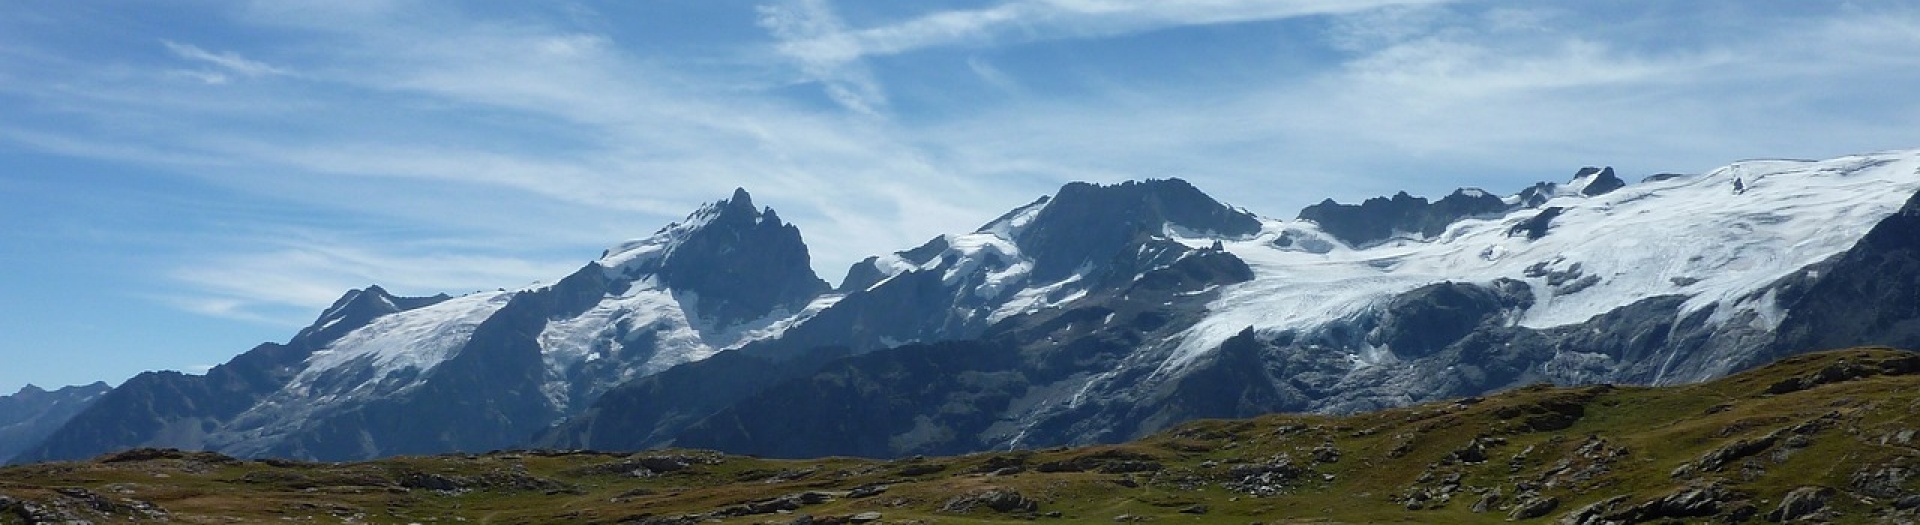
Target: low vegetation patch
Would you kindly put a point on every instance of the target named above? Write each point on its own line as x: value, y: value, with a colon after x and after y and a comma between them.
x: 1827, y: 437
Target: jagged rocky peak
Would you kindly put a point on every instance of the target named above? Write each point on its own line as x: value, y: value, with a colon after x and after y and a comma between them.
x: 737, y: 261
x: 1591, y: 181
x: 1089, y: 223
x: 1588, y: 181
x: 1082, y: 227
x: 358, y: 307
x: 32, y: 390
x: 1381, y: 218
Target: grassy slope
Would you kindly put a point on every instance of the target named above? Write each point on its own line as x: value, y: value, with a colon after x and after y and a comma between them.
x: 1576, y: 445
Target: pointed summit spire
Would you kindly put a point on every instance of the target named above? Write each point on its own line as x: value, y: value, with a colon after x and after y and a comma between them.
x: 741, y: 260
x: 741, y: 201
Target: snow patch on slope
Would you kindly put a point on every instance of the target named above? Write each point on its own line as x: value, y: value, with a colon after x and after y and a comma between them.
x: 386, y: 357
x: 628, y: 259
x: 1704, y: 236
x: 417, y: 339
x: 645, y: 318
x: 1035, y: 298
x: 969, y: 252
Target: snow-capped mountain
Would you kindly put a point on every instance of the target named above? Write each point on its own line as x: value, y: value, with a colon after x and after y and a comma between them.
x: 1722, y: 241
x: 1096, y: 314
x: 1086, y: 241
x: 379, y: 375
x: 1674, y: 279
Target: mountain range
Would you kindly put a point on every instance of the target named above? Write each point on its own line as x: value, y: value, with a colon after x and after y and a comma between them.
x: 1099, y: 314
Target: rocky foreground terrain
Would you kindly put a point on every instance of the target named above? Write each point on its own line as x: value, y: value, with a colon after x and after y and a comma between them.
x: 1824, y: 437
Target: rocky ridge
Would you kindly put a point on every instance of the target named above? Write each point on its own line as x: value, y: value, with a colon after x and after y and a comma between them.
x: 28, y: 416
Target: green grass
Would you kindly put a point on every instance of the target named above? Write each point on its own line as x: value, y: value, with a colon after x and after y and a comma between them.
x: 1383, y: 457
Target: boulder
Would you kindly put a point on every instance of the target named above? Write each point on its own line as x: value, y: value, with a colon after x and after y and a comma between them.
x: 1596, y: 513
x: 1800, y: 503
x: 997, y: 500
x: 1534, y: 508
x: 1487, y: 502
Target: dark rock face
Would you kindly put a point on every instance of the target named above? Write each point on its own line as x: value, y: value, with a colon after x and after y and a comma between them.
x: 1234, y: 382
x: 913, y: 306
x: 1536, y: 227
x: 868, y: 405
x: 741, y: 265
x: 175, y: 410
x: 1536, y: 195
x: 1604, y: 181
x: 1379, y: 218
x: 862, y: 275
x: 1865, y: 297
x: 28, y: 416
x: 652, y: 411
x: 1087, y: 223
x: 952, y: 397
x: 1431, y: 317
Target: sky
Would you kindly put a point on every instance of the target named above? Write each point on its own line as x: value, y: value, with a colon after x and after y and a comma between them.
x: 184, y: 180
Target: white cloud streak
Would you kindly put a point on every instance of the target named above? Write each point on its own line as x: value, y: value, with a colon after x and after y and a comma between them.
x: 305, y: 270
x: 832, y: 54
x: 809, y: 32
x: 228, y: 62
x: 1429, y: 100
x: 1030, y: 20
x: 416, y: 105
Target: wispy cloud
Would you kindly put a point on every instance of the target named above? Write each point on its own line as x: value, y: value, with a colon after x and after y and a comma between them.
x: 280, y: 285
x: 813, y: 35
x: 224, y: 64
x: 833, y: 54
x: 993, y: 75
x: 1427, y: 99
x: 542, y: 138
x: 1019, y: 21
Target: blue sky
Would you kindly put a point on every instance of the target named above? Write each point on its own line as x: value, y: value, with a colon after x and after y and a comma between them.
x: 184, y: 180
